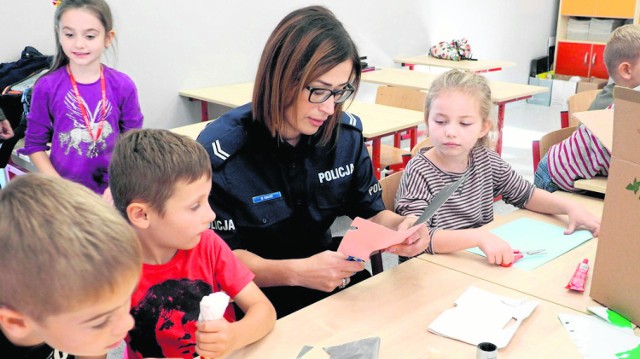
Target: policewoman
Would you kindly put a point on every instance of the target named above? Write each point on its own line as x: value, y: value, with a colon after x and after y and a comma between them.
x: 291, y: 161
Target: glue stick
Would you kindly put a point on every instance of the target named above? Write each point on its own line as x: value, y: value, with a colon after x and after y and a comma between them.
x: 579, y: 277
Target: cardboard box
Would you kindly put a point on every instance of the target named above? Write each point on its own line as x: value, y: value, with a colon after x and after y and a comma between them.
x: 541, y: 98
x: 616, y: 274
x: 592, y: 83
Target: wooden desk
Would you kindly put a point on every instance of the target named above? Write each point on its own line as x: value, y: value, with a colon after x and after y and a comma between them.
x: 501, y: 92
x: 546, y: 282
x: 377, y: 120
x: 398, y: 305
x: 596, y: 184
x: 475, y: 66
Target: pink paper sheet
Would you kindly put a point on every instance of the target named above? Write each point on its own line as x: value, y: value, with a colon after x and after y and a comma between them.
x: 369, y: 237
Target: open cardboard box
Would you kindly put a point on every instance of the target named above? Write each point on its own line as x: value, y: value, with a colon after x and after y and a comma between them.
x: 585, y: 83
x: 616, y: 274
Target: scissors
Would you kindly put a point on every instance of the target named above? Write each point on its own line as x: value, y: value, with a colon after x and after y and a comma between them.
x: 518, y: 254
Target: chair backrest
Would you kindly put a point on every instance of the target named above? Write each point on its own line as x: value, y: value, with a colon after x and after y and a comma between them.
x: 554, y: 137
x: 389, y: 188
x: 403, y: 97
x: 424, y: 143
x: 580, y: 102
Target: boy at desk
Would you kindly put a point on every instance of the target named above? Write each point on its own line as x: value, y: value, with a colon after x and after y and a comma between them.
x: 582, y: 155
x: 160, y: 182
x: 68, y: 266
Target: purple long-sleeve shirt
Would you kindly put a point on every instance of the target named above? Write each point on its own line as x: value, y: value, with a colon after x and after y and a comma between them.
x: 55, y: 117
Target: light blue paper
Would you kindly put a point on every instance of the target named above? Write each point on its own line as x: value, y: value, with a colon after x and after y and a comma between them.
x: 528, y: 234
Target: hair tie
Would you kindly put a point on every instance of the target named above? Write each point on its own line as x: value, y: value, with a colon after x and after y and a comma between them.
x: 57, y: 3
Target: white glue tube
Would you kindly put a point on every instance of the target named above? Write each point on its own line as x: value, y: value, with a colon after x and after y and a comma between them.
x: 212, y: 306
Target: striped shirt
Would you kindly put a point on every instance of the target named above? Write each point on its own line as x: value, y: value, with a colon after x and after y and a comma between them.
x: 471, y: 206
x: 581, y: 155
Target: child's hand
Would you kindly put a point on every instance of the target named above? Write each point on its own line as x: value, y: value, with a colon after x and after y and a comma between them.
x: 214, y: 338
x: 414, y: 244
x: 107, y: 197
x: 580, y: 218
x: 498, y: 251
x: 6, y: 132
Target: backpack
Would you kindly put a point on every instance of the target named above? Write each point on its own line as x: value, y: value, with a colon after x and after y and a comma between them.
x: 455, y: 50
x: 16, y: 80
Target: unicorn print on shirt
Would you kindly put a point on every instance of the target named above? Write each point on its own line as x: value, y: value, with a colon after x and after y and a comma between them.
x: 79, y: 135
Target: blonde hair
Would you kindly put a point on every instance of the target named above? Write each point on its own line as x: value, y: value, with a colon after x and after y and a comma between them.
x: 623, y: 46
x: 473, y: 85
x: 146, y: 165
x: 61, y: 246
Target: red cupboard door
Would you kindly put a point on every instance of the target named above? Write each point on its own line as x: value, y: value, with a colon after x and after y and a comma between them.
x: 573, y: 59
x: 598, y: 67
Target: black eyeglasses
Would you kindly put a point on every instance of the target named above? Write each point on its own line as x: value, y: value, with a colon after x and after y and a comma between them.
x: 320, y: 95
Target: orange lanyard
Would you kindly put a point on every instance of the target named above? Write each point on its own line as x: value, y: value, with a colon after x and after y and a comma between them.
x: 103, y: 87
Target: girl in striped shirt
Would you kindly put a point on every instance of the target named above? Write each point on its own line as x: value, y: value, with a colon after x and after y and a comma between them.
x: 460, y: 125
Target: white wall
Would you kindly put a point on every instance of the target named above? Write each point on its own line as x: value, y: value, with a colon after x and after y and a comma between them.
x: 168, y: 45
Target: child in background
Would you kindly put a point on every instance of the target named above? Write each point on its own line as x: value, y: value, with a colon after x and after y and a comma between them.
x: 68, y: 265
x: 460, y: 125
x: 582, y: 155
x: 80, y: 105
x: 160, y: 182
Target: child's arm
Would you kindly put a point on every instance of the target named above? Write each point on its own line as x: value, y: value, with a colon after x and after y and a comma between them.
x: 498, y: 251
x: 216, y: 338
x: 42, y: 162
x: 545, y: 202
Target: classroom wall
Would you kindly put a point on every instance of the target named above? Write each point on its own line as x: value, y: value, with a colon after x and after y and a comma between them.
x: 168, y: 45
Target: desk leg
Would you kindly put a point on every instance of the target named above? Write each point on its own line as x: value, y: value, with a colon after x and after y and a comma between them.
x: 204, y: 110
x: 501, y: 106
x: 410, y: 66
x: 413, y: 132
x: 500, y: 124
x: 375, y: 156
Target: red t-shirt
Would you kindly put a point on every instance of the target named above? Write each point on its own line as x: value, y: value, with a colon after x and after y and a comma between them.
x: 166, y: 303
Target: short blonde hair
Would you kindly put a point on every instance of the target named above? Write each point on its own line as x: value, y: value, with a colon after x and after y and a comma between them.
x: 471, y: 84
x: 61, y: 246
x: 623, y: 45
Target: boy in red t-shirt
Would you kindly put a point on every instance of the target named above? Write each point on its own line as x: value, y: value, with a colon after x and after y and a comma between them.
x: 160, y: 182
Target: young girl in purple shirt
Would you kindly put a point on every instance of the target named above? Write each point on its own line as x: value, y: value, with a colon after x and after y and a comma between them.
x: 79, y: 108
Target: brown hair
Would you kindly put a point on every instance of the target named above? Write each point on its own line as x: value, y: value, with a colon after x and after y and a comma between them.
x: 99, y: 8
x: 623, y: 46
x: 61, y: 246
x: 306, y: 44
x: 471, y: 84
x: 146, y: 165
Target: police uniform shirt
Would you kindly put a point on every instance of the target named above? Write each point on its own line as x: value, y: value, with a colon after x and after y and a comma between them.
x: 278, y: 201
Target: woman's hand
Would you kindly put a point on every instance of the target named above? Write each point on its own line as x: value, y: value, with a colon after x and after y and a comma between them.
x: 325, y: 271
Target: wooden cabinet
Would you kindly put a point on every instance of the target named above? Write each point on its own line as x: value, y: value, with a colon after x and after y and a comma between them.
x: 583, y: 57
x: 624, y: 9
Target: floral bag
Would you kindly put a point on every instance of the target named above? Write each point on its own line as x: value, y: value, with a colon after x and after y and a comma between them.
x: 455, y: 50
